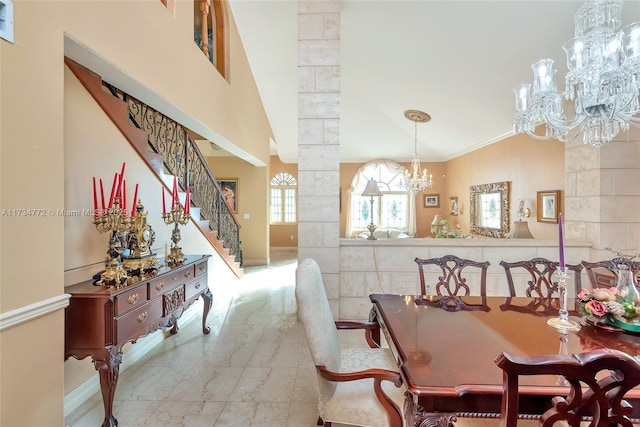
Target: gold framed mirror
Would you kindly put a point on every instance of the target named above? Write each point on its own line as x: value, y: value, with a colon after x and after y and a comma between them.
x: 489, y: 209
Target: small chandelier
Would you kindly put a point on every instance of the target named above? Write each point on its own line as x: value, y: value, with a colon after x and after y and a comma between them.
x: 415, y: 181
x: 603, y: 80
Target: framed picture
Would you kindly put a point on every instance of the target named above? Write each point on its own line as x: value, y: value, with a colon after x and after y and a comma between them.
x: 431, y: 200
x: 453, y: 205
x: 548, y: 206
x: 230, y: 192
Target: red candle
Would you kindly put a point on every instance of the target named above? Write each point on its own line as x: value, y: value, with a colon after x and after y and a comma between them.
x: 124, y: 197
x: 113, y: 188
x: 95, y: 198
x: 164, y: 208
x: 118, y: 191
x: 174, y: 195
x: 135, y: 201
x: 102, y: 195
x: 187, y: 201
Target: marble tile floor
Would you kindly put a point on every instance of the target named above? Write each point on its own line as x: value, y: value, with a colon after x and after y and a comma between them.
x: 254, y: 369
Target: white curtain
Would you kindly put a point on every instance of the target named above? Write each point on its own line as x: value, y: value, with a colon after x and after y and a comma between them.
x: 384, y: 171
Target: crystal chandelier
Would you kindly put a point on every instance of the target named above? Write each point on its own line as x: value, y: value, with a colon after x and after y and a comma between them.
x: 415, y: 181
x: 603, y: 80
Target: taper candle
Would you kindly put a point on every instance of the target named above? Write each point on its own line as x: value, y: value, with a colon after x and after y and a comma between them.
x: 174, y: 194
x: 135, y: 202
x: 118, y: 192
x: 102, y: 196
x: 95, y: 198
x: 124, y: 197
x: 164, y: 206
x: 187, y: 202
x: 113, y: 189
x: 561, y: 240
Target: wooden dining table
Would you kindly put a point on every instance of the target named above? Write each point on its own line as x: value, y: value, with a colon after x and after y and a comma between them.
x: 446, y: 358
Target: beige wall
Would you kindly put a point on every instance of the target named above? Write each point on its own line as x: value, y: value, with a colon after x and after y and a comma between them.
x: 251, y: 202
x: 33, y: 173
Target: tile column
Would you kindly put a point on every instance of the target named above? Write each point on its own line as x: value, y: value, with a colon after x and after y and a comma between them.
x: 602, y: 193
x: 318, y: 140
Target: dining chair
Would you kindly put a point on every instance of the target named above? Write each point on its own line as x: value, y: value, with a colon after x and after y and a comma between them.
x: 360, y: 386
x: 542, y: 286
x: 604, y: 274
x: 592, y: 395
x: 453, y: 283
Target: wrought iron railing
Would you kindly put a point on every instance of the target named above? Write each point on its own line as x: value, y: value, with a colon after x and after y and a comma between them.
x: 183, y: 159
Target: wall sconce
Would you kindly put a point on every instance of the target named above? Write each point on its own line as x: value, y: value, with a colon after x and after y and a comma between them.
x: 371, y: 190
x: 520, y: 229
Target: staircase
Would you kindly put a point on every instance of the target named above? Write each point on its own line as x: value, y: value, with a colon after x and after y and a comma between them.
x: 168, y: 150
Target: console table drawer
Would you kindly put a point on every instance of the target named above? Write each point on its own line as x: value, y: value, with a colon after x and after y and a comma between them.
x: 129, y: 324
x: 194, y: 288
x: 165, y: 284
x: 201, y: 268
x: 131, y: 299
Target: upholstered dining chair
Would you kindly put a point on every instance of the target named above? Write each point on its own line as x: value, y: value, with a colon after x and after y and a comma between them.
x: 542, y: 286
x: 604, y: 274
x: 359, y: 387
x: 590, y: 393
x: 453, y: 282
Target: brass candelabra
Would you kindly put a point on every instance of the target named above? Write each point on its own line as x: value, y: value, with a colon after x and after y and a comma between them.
x: 176, y: 216
x: 116, y: 221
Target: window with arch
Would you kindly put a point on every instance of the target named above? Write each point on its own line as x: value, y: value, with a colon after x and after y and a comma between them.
x: 284, y: 198
x: 394, y: 209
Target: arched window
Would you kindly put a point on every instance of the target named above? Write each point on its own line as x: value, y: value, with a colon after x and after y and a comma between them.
x: 394, y: 209
x: 284, y: 198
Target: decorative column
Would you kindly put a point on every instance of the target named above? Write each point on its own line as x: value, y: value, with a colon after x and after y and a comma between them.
x: 602, y: 195
x: 318, y: 140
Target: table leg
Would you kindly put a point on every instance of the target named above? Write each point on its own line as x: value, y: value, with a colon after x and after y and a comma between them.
x: 207, y: 298
x: 416, y: 416
x: 109, y: 370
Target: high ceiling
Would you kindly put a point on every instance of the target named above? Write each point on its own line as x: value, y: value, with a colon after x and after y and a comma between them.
x: 456, y: 60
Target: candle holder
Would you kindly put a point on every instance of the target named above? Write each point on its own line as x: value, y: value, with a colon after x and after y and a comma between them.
x: 562, y: 322
x: 114, y: 220
x: 175, y: 216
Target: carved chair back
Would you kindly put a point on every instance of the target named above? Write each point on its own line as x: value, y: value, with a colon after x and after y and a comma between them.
x: 453, y: 281
x: 590, y: 393
x: 542, y: 286
x: 604, y: 274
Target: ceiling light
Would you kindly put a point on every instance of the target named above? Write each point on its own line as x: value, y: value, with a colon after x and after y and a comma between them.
x: 603, y: 80
x: 415, y: 181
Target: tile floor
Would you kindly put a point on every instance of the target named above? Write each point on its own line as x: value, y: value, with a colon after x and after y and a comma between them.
x: 254, y: 369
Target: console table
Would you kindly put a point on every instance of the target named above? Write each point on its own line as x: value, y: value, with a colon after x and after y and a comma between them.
x: 99, y: 321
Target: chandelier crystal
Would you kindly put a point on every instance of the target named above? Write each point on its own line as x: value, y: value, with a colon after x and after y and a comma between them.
x: 603, y: 81
x: 414, y: 180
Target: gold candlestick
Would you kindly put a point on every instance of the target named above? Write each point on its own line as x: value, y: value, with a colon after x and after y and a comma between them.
x: 176, y: 216
x: 115, y: 220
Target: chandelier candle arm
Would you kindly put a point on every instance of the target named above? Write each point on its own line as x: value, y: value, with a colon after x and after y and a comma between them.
x: 603, y: 81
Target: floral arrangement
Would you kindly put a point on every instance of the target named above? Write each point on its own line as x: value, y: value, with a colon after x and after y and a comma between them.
x: 607, y: 302
x: 444, y: 230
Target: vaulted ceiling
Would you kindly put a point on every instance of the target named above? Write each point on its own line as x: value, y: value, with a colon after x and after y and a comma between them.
x: 456, y: 60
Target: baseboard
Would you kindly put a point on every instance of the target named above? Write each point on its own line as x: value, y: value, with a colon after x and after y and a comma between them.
x: 135, y: 352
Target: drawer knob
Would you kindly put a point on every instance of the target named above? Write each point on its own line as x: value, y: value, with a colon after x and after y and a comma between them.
x: 187, y: 274
x: 159, y: 286
x: 142, y: 317
x: 201, y: 268
x: 133, y: 298
x: 198, y: 285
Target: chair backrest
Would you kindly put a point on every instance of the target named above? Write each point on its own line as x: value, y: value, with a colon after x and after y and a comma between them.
x: 604, y: 399
x: 315, y: 314
x: 542, y: 284
x: 452, y: 283
x: 604, y: 274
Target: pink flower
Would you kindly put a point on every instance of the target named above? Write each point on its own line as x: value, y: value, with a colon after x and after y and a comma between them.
x: 585, y: 294
x: 596, y: 308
